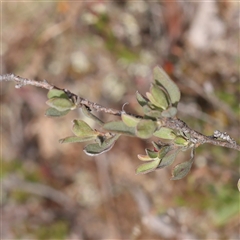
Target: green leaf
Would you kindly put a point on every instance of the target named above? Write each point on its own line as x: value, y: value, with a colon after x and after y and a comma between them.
x: 88, y: 113
x: 119, y: 127
x: 61, y: 104
x: 170, y: 112
x: 151, y: 153
x: 74, y: 139
x: 145, y: 128
x: 163, y: 151
x: 129, y: 120
x: 56, y: 93
x: 53, y: 112
x: 168, y: 159
x: 182, y: 169
x: 150, y: 112
x: 141, y: 99
x: 154, y: 101
x: 165, y: 133
x: 82, y: 129
x: 180, y: 140
x: 96, y: 149
x: 164, y: 80
x: 160, y: 96
x: 147, y: 167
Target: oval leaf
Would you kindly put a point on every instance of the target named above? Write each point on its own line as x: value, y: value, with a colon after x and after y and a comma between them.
x: 179, y: 140
x: 82, y: 129
x: 145, y: 128
x: 160, y: 96
x: 53, y: 112
x: 168, y: 159
x: 164, y: 80
x: 119, y: 127
x: 129, y: 120
x: 151, y: 153
x: 61, y: 104
x: 150, y: 112
x: 154, y: 101
x: 96, y: 149
x: 88, y: 113
x: 74, y: 139
x: 141, y: 99
x: 147, y: 167
x: 56, y: 93
x: 165, y: 133
x: 182, y: 169
x: 163, y: 151
x: 170, y: 112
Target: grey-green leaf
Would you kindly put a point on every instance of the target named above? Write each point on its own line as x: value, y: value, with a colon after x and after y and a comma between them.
x: 75, y: 139
x: 129, y: 120
x: 165, y: 133
x: 56, y: 93
x: 119, y: 127
x: 145, y: 128
x: 141, y: 99
x: 168, y: 159
x: 170, y: 112
x: 159, y: 95
x: 182, y: 169
x: 147, y: 167
x: 61, y: 104
x: 96, y: 149
x: 88, y: 113
x: 163, y: 151
x: 151, y: 153
x: 82, y: 129
x: 164, y: 80
x: 150, y: 112
x: 181, y: 141
x: 53, y: 112
x: 154, y: 101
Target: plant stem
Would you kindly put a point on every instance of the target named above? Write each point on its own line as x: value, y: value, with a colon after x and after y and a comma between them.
x: 173, y: 123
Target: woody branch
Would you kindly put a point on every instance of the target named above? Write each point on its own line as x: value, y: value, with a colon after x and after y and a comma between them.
x: 218, y: 138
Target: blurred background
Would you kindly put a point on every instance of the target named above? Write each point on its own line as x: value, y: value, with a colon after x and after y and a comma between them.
x: 105, y: 51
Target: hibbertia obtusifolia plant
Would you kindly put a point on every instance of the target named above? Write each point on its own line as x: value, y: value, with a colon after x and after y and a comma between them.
x: 159, y: 120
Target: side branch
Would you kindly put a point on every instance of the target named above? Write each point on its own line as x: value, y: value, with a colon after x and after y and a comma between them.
x: 44, y: 84
x: 218, y: 139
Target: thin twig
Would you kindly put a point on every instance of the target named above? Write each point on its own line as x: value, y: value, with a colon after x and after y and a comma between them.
x: 218, y: 138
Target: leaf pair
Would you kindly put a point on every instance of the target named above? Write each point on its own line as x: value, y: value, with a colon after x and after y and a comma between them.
x: 59, y: 103
x: 163, y: 80
x: 83, y: 132
x: 163, y: 156
x: 157, y: 159
x: 169, y: 134
x: 163, y: 97
x: 142, y: 128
